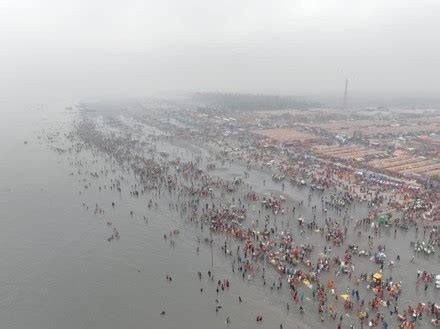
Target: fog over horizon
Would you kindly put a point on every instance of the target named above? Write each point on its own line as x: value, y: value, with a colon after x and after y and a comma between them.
x: 388, y: 50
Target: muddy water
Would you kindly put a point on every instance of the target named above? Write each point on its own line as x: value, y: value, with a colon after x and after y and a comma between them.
x: 59, y: 270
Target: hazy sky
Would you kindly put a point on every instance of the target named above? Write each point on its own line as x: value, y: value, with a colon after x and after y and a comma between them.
x: 84, y: 48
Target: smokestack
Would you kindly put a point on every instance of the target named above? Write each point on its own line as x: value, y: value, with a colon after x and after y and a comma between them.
x: 345, y: 93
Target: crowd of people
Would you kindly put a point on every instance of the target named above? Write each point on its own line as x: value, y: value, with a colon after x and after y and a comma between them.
x: 305, y: 247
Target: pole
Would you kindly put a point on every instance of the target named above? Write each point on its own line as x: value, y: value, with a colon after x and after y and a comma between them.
x: 345, y: 93
x: 212, y: 254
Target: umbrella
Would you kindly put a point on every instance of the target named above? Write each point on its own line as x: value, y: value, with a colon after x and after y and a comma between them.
x: 381, y: 255
x: 361, y: 315
x: 345, y: 296
x: 330, y: 284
